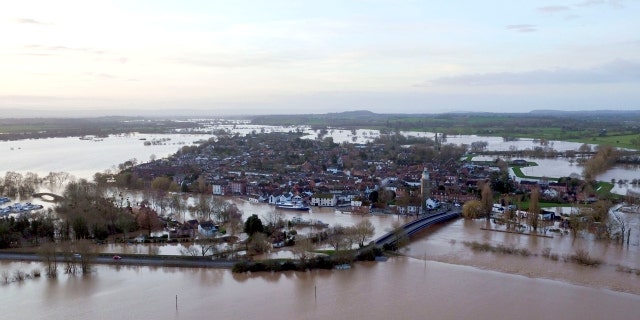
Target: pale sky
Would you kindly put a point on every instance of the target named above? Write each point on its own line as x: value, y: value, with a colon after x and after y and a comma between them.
x: 266, y: 57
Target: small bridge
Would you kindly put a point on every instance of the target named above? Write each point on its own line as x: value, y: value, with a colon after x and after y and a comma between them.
x: 416, y: 226
x: 47, y: 196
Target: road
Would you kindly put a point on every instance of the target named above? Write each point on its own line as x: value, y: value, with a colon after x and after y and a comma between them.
x: 135, y: 260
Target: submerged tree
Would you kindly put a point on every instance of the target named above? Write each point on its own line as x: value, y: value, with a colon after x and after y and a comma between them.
x: 534, y: 209
x: 486, y: 195
x: 472, y: 209
x: 253, y: 225
x: 148, y: 219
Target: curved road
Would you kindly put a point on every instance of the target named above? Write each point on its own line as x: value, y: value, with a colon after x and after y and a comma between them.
x: 415, y: 226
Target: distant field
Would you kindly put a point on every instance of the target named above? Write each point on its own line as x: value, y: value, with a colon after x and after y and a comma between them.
x: 618, y: 128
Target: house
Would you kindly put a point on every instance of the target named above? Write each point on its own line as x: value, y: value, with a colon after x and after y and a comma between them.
x: 219, y: 188
x: 207, y: 228
x: 519, y: 162
x: 324, y: 200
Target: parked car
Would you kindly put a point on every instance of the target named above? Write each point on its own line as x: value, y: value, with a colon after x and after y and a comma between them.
x: 117, y: 258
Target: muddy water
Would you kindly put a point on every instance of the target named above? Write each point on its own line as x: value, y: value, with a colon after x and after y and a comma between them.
x: 453, y: 283
x: 445, y: 243
x: 402, y: 288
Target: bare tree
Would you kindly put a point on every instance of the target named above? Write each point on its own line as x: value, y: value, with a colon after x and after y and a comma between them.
x: 274, y: 218
x: 202, y: 208
x: 363, y: 230
x: 534, y: 209
x: 622, y: 225
x: 49, y: 256
x: 258, y: 244
x: 204, y: 246
x: 337, y: 237
x: 303, y: 249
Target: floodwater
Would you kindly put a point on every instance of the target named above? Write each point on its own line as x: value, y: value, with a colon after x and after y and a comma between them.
x: 401, y: 288
x: 382, y: 224
x: 83, y: 158
x: 452, y: 283
x: 446, y: 243
x: 563, y: 167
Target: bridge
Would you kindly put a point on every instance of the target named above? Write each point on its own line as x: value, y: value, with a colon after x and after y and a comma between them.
x: 416, y: 226
x: 47, y: 195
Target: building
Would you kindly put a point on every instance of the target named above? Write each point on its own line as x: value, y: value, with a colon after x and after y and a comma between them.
x: 324, y: 200
x: 425, y: 188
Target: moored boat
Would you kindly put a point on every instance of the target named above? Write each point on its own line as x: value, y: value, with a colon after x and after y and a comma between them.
x: 292, y: 206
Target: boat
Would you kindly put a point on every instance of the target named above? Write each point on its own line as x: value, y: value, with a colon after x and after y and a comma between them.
x: 344, y: 266
x: 297, y: 221
x: 291, y: 206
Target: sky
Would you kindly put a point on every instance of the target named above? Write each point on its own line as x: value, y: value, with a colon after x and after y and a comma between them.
x: 295, y: 57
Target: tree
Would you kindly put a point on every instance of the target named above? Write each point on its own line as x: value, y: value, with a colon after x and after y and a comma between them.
x: 534, y: 209
x: 223, y: 210
x: 400, y: 236
x: 164, y: 184
x: 205, y: 245
x: 258, y: 244
x: 202, y: 208
x: 363, y: 230
x: 472, y: 209
x: 337, y: 237
x: 234, y: 222
x: 274, y: 219
x: 486, y: 199
x: 253, y: 225
x: 621, y: 223
x: 148, y: 219
x: 126, y: 223
x: 303, y: 249
x: 49, y: 257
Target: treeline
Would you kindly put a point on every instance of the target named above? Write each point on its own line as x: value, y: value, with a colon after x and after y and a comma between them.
x: 602, y: 161
x: 17, y: 129
x: 15, y: 184
x: 550, y: 125
x: 40, y: 227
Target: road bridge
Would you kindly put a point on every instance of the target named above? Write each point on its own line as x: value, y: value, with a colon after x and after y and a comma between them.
x: 418, y: 225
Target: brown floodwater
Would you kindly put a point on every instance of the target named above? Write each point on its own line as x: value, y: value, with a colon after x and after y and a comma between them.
x: 453, y: 283
x: 401, y: 288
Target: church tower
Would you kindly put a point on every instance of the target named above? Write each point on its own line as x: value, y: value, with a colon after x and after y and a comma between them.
x: 425, y: 188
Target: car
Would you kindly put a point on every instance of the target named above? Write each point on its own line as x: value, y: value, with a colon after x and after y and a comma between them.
x: 77, y: 256
x: 117, y: 258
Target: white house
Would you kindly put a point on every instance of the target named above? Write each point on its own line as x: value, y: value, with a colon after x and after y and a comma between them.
x: 324, y: 200
x: 219, y: 188
x: 207, y: 228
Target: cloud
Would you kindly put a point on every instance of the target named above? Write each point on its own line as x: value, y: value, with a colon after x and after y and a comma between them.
x: 100, y: 75
x: 553, y: 9
x: 31, y: 21
x: 36, y: 47
x: 244, y: 60
x: 522, y: 27
x: 590, y: 3
x: 618, y: 71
